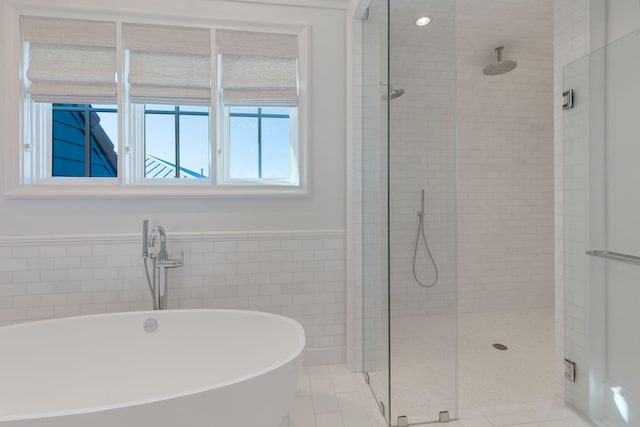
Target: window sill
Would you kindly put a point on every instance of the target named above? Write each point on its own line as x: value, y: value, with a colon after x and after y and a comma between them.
x: 43, y: 191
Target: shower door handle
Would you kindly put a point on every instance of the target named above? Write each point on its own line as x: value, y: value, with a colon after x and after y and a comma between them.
x: 614, y: 256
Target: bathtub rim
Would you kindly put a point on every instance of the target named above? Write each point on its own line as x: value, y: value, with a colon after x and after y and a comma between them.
x: 100, y: 408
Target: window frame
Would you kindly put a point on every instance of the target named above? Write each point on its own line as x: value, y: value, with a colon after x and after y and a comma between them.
x: 224, y: 151
x: 28, y: 163
x: 36, y: 163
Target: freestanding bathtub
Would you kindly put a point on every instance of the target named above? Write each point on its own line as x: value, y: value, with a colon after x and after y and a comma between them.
x: 174, y: 368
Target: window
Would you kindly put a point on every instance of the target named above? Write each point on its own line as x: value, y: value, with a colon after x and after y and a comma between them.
x: 84, y: 140
x: 259, y: 143
x: 176, y: 141
x: 85, y: 125
x: 259, y: 94
x: 169, y: 83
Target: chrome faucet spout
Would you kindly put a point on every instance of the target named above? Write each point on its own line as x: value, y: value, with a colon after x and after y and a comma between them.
x: 158, y: 232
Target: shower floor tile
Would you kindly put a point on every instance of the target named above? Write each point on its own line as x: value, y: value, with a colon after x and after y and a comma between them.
x: 424, y: 361
x: 524, y: 373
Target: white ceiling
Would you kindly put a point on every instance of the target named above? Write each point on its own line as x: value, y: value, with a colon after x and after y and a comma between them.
x: 330, y: 4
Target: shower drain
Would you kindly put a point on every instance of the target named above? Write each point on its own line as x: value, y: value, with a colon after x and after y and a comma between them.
x: 501, y: 347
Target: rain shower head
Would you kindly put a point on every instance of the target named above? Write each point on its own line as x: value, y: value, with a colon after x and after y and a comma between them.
x: 501, y: 66
x: 393, y: 94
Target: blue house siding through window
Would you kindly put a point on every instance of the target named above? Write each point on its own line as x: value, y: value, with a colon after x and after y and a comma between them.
x: 70, y: 155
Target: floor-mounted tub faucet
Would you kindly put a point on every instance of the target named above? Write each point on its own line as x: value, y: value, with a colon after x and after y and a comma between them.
x: 161, y: 262
x: 159, y: 231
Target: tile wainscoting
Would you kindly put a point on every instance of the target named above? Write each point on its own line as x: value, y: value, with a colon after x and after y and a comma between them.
x: 300, y: 274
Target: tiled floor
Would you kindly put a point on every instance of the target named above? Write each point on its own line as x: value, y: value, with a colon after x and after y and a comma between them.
x: 331, y: 396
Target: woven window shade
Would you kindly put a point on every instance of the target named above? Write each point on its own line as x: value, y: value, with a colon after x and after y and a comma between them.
x: 168, y: 65
x: 258, y: 69
x: 71, y: 61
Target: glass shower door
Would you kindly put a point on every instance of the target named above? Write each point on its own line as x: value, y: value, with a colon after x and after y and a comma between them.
x: 375, y: 214
x: 601, y: 211
x: 409, y: 210
x: 422, y: 211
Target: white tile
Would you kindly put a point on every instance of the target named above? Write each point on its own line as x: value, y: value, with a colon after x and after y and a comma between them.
x: 573, y: 422
x: 554, y: 410
x: 516, y: 415
x: 323, y: 395
x: 301, y: 412
x: 475, y: 422
x: 329, y: 420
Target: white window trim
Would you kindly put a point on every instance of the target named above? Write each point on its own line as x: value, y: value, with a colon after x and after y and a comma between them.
x: 27, y: 165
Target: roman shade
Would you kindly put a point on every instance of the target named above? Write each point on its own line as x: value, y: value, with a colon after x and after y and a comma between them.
x: 70, y: 61
x: 257, y: 69
x: 168, y: 65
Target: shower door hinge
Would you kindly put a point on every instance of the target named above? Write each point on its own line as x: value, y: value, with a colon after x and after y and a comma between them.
x: 570, y: 370
x: 567, y: 98
x: 366, y: 15
x: 381, y: 406
x: 443, y: 417
x: 403, y: 421
x: 366, y: 377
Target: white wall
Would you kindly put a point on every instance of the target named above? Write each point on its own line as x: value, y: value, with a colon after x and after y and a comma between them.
x: 70, y: 256
x: 323, y: 209
x: 623, y: 17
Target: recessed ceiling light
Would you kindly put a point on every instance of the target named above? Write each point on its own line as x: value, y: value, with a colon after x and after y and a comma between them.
x: 421, y: 22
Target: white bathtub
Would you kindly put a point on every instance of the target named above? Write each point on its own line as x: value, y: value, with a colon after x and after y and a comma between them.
x: 214, y: 368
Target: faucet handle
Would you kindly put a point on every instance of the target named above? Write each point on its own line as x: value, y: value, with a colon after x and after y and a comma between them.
x: 172, y: 263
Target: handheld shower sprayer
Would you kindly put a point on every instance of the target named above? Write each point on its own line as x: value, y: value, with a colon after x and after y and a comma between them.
x: 145, y: 256
x: 421, y: 233
x: 145, y: 238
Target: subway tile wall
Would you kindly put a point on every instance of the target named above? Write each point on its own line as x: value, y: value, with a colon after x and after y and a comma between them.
x: 505, y: 156
x: 571, y: 41
x: 355, y: 300
x: 504, y: 243
x: 372, y: 247
x: 423, y: 157
x: 297, y: 274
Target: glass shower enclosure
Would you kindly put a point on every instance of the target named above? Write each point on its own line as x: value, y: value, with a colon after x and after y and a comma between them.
x: 409, y: 210
x: 601, y: 237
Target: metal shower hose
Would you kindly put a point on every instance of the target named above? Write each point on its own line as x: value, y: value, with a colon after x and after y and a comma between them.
x: 426, y: 245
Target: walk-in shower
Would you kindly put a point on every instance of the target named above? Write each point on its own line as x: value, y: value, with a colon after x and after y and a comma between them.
x: 474, y: 265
